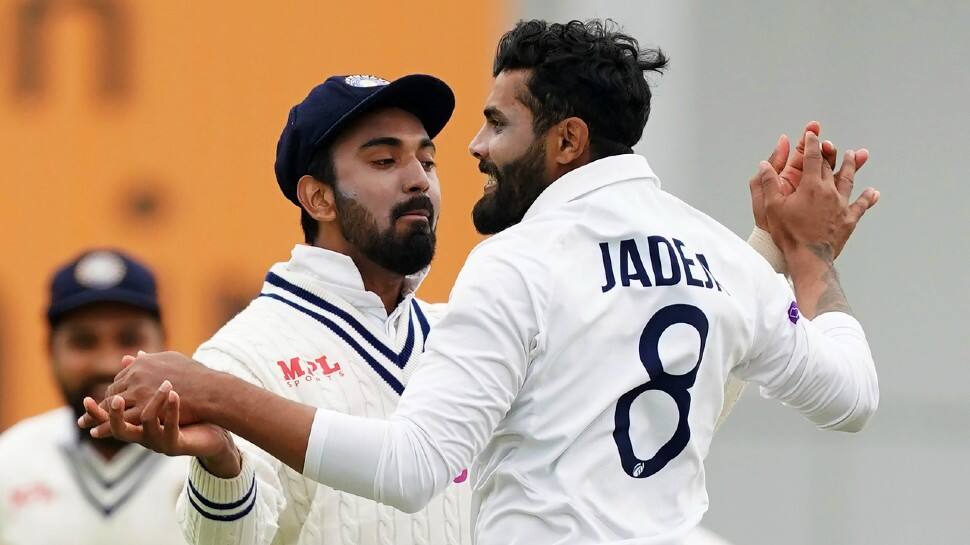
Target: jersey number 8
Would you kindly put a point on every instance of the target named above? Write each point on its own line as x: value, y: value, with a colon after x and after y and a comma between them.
x: 676, y: 386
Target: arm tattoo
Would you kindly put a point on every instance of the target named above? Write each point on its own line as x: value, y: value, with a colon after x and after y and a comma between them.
x: 833, y: 298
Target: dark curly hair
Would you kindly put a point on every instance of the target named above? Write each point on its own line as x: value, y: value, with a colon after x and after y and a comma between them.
x: 588, y: 70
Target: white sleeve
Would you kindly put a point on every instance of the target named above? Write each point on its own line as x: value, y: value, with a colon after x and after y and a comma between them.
x: 820, y: 367
x: 473, y: 367
x: 703, y: 536
x: 434, y: 311
x: 733, y: 389
x: 244, y: 510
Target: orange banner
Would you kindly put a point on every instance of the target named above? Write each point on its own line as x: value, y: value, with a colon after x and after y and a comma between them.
x: 152, y: 126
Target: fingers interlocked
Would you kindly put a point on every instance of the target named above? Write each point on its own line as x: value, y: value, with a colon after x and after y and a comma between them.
x: 155, y: 416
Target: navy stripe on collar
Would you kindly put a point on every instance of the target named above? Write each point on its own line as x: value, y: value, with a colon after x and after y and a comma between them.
x: 399, y: 359
x: 101, y: 479
x: 141, y: 473
x: 377, y: 367
x: 425, y: 327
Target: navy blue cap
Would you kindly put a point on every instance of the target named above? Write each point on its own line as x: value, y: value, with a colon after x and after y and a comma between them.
x: 102, y: 276
x: 336, y: 102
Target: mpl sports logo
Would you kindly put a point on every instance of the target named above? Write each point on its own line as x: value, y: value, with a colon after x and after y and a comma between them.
x: 31, y: 493
x: 297, y: 371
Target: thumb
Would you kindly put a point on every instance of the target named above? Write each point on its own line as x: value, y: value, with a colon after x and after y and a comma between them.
x: 757, y: 187
x: 779, y: 156
x: 758, y: 200
x: 770, y: 182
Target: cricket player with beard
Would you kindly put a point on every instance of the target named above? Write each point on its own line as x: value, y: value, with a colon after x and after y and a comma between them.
x: 582, y: 360
x: 337, y: 326
x: 59, y: 487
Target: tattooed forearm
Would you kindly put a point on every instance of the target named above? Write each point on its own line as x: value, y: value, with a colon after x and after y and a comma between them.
x: 833, y: 298
x: 820, y: 290
x: 823, y: 252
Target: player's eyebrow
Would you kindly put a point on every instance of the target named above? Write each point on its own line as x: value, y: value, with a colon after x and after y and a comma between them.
x: 382, y: 141
x: 396, y: 143
x: 492, y: 113
x: 427, y: 143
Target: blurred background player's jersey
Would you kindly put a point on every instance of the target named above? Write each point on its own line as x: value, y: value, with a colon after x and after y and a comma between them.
x: 56, y: 490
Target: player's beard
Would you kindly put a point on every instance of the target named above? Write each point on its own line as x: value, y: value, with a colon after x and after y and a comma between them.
x: 94, y: 387
x: 403, y: 254
x: 518, y: 185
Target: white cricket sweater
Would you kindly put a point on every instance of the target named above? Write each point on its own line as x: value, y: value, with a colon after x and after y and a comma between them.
x: 315, y: 336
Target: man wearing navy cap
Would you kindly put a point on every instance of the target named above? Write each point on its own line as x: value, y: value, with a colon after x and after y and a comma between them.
x: 336, y: 326
x: 61, y: 487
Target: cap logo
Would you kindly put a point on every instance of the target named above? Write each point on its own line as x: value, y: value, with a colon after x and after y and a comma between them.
x: 363, y: 80
x: 100, y: 270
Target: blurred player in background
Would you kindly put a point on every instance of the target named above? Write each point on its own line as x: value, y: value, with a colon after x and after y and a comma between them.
x: 59, y: 487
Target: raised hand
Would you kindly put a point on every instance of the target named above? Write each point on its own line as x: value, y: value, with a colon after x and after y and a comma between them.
x: 789, y: 167
x: 812, y: 224
x: 817, y: 213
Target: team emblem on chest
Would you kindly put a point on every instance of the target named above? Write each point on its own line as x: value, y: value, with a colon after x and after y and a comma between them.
x: 37, y: 492
x: 295, y: 371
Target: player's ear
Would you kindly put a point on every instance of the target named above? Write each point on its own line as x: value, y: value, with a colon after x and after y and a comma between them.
x: 317, y: 198
x: 571, y: 140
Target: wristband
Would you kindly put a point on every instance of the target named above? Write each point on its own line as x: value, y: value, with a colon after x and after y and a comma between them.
x: 761, y: 241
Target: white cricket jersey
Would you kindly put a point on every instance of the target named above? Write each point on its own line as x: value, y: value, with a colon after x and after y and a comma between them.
x: 58, y: 490
x: 316, y: 336
x: 581, y: 364
x: 703, y: 536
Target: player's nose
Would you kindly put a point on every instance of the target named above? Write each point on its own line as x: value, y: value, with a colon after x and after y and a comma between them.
x: 416, y: 179
x: 477, y: 146
x: 108, y: 362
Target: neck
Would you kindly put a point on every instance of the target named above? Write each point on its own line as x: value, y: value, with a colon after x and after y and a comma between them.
x: 560, y: 170
x: 107, y: 448
x: 388, y: 285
